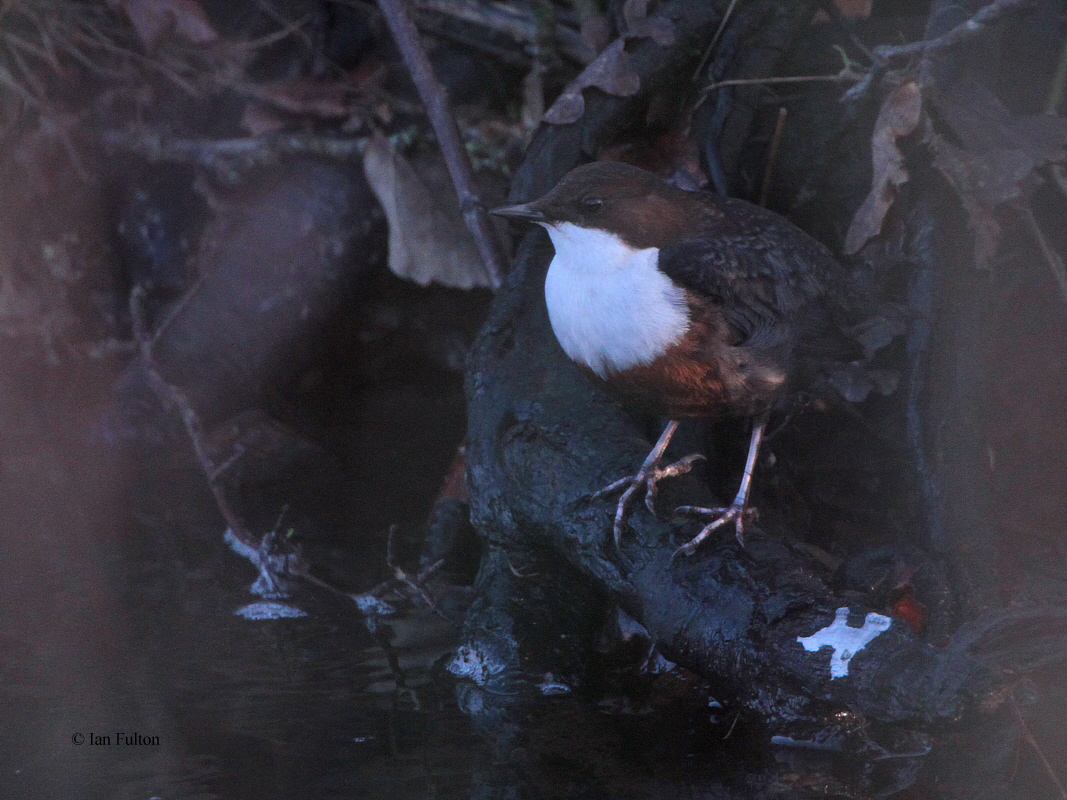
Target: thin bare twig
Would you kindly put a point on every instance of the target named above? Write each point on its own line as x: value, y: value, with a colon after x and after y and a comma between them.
x: 985, y: 17
x: 772, y: 155
x: 288, y: 29
x: 170, y: 395
x: 1052, y: 258
x: 46, y: 42
x: 107, y: 45
x: 714, y: 41
x: 413, y: 582
x: 227, y: 154
x: 9, y: 80
x: 733, y: 725
x: 444, y: 125
x: 836, y: 78
x: 45, y: 54
x: 1058, y: 86
x: 518, y: 21
x: 1059, y: 177
x: 31, y: 78
x: 294, y: 27
x: 831, y: 10
x: 1028, y: 737
x: 298, y: 568
x: 392, y: 583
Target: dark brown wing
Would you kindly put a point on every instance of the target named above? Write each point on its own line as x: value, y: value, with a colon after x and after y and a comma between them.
x: 771, y: 280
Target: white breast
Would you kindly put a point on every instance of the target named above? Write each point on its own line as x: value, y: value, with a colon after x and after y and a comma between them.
x: 609, y: 305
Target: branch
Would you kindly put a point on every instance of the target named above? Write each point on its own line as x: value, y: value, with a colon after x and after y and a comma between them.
x: 517, y: 21
x: 228, y: 154
x: 171, y: 396
x: 444, y: 125
x: 840, y: 77
x: 1028, y: 737
x: 987, y: 16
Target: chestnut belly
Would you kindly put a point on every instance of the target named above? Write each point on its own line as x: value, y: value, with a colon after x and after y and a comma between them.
x: 678, y: 385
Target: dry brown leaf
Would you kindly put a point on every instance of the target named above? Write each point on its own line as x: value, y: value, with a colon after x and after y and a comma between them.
x: 612, y: 71
x: 533, y: 99
x: 633, y: 11
x: 993, y: 158
x: 260, y: 119
x: 856, y: 383
x: 898, y: 117
x: 152, y: 19
x: 595, y: 32
x: 310, y: 96
x: 849, y: 9
x: 639, y: 24
x: 962, y: 173
x: 855, y: 9
x: 277, y: 102
x: 674, y: 156
x: 428, y: 242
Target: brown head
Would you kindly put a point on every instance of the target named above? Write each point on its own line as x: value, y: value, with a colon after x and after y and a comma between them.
x: 632, y: 203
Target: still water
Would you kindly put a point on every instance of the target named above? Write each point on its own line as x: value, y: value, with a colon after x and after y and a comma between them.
x: 125, y: 671
x: 128, y: 673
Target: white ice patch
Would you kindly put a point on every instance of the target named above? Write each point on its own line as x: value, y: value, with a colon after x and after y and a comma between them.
x: 610, y: 306
x: 845, y: 640
x: 550, y: 686
x: 270, y: 610
x: 475, y: 665
x: 273, y: 581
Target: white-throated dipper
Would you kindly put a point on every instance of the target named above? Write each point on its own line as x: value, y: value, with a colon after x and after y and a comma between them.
x: 684, y: 304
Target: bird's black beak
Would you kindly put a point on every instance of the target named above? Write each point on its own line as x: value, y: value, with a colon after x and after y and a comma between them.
x: 528, y: 211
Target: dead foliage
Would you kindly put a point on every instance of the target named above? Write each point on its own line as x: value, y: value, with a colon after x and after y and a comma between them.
x: 428, y: 242
x: 86, y: 88
x: 612, y: 70
x: 154, y: 19
x: 898, y: 117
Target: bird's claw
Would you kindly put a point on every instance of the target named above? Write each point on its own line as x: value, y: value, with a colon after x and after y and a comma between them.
x: 614, y: 486
x: 680, y: 467
x: 735, y: 513
x: 647, y: 478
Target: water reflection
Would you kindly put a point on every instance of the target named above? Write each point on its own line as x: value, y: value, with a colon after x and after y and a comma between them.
x: 119, y: 598
x: 119, y: 604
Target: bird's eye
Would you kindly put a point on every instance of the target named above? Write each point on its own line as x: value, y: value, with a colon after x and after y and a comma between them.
x: 591, y: 204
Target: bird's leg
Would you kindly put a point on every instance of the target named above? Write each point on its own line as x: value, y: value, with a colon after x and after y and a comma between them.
x: 647, y: 477
x: 736, y: 511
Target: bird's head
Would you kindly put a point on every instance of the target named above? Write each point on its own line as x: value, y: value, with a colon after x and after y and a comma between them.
x: 630, y: 203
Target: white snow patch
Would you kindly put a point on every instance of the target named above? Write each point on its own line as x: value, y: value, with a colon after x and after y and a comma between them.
x: 845, y: 640
x: 269, y: 610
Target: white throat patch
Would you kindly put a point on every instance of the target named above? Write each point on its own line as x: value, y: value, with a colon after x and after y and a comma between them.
x: 609, y: 305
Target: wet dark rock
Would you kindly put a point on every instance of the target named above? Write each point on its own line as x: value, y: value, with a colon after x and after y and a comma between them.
x: 277, y: 262
x: 541, y: 439
x: 159, y: 219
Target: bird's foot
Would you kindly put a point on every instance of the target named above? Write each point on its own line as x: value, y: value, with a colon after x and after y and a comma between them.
x: 735, y: 513
x: 646, y: 478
